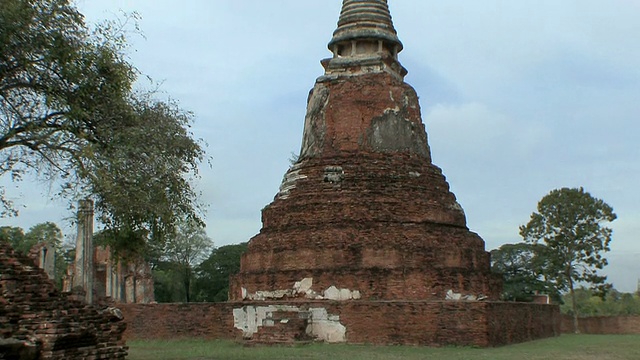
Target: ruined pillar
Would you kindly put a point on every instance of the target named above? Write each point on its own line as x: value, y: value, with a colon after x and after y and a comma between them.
x: 67, y: 279
x: 118, y: 282
x: 83, y: 274
x: 44, y: 256
x: 130, y: 288
x: 48, y: 260
x: 109, y: 273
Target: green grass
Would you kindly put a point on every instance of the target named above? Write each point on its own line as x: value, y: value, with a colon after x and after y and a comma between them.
x: 566, y: 347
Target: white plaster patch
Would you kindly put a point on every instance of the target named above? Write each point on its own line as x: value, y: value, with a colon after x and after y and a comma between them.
x: 325, y: 327
x: 250, y: 318
x: 333, y: 293
x: 321, y: 325
x: 395, y: 110
x: 289, y: 181
x: 264, y: 295
x: 303, y: 286
x: 453, y: 296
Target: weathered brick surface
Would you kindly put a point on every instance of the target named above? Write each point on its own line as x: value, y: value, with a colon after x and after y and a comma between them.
x: 170, y: 321
x: 377, y: 283
x: 603, y: 324
x: 364, y: 208
x: 33, y: 311
x: 511, y: 322
x: 432, y: 323
x: 287, y: 327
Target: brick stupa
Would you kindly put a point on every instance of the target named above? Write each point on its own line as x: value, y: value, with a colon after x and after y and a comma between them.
x: 364, y: 208
x: 364, y: 242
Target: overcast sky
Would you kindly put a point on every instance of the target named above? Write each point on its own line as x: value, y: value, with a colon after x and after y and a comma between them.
x: 518, y: 97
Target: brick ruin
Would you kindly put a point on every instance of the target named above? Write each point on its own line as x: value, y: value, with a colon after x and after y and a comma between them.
x: 44, y: 257
x: 96, y: 267
x: 364, y: 216
x: 114, y: 280
x: 38, y: 322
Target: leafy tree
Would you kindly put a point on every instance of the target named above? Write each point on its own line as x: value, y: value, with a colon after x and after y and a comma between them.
x: 185, y: 250
x: 46, y: 232
x: 521, y: 267
x: 168, y: 284
x: 569, y: 224
x: 14, y: 236
x: 22, y: 242
x: 68, y: 113
x: 213, y: 274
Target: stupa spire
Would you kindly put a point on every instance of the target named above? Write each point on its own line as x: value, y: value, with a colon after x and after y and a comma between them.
x: 365, y: 19
x: 365, y: 37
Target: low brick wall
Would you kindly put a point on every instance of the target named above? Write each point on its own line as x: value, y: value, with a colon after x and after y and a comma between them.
x: 603, y: 324
x: 171, y: 321
x: 432, y: 323
x: 513, y: 322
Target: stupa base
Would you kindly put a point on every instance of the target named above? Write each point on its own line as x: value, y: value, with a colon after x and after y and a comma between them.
x: 425, y: 323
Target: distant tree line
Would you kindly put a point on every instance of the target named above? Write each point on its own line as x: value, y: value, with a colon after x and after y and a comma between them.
x: 209, y: 279
x: 590, y: 303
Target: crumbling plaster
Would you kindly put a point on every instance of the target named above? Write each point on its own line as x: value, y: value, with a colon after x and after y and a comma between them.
x: 321, y: 325
x: 303, y: 288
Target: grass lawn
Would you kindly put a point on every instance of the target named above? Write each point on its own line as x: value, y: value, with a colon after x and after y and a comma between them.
x: 566, y: 347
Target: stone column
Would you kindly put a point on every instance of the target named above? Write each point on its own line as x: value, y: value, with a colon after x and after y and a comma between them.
x: 118, y: 281
x: 48, y: 260
x: 109, y: 279
x: 130, y: 288
x: 83, y: 274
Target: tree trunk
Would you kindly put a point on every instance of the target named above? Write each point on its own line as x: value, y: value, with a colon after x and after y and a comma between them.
x: 574, y: 306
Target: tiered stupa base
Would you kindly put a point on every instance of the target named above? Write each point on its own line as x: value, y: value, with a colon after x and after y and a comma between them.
x: 364, y: 209
x: 377, y: 226
x: 425, y: 323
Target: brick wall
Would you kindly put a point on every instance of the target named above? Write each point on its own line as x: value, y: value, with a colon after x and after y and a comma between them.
x: 170, y: 321
x: 34, y: 315
x: 603, y: 324
x: 432, y: 323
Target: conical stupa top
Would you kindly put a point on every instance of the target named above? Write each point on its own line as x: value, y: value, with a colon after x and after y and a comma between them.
x: 365, y: 19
